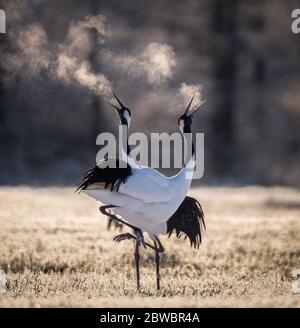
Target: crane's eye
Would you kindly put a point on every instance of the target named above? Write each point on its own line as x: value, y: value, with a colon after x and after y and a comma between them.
x: 182, y: 119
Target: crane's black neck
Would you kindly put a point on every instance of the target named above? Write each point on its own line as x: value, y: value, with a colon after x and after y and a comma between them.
x: 187, y: 128
x: 125, y: 134
x: 128, y: 148
x: 187, y: 134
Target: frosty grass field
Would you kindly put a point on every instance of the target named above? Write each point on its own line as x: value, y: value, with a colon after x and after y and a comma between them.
x: 55, y: 251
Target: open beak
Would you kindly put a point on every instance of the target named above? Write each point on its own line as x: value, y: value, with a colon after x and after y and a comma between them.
x: 118, y: 100
x: 111, y: 104
x: 189, y: 106
x: 196, y: 110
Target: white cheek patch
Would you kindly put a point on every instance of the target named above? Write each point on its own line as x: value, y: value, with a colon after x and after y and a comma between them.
x: 181, y: 125
x: 127, y: 117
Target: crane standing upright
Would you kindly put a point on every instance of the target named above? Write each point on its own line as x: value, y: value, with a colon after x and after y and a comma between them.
x: 148, y: 201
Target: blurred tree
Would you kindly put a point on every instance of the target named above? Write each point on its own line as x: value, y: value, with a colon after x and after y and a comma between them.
x: 225, y: 15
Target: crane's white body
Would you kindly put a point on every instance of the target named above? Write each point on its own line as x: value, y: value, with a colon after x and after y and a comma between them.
x: 148, y: 199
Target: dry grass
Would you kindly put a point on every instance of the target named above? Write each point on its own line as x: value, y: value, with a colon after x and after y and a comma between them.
x: 56, y: 251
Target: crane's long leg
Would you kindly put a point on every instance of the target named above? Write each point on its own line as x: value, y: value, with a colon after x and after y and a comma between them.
x: 127, y: 236
x: 139, y: 239
x: 157, y: 268
x: 139, y: 234
x: 137, y: 264
x: 158, y: 249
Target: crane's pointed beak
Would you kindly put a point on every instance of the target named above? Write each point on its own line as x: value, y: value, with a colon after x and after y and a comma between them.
x: 118, y: 100
x: 196, y: 110
x: 111, y: 104
x: 189, y: 106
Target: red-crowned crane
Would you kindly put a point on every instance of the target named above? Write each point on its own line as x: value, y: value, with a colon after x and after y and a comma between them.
x: 147, y: 200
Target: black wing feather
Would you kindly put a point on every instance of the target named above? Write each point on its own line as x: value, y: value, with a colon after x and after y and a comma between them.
x: 188, y: 220
x: 110, y: 171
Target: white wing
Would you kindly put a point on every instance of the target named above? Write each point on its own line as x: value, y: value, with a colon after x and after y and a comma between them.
x: 147, y: 185
x: 146, y: 216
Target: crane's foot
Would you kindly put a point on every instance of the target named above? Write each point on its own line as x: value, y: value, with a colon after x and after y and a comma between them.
x: 124, y: 236
x: 127, y: 236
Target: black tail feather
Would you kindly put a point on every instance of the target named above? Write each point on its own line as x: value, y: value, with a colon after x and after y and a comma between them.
x: 188, y: 220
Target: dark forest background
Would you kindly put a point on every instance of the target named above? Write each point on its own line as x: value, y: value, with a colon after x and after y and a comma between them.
x: 243, y: 54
